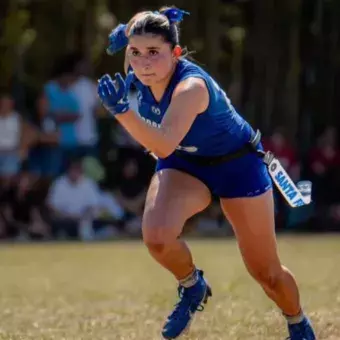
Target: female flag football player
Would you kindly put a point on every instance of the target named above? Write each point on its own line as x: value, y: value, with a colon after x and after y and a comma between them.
x: 203, y: 147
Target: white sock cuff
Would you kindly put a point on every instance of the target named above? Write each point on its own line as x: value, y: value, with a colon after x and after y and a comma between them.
x: 190, y: 280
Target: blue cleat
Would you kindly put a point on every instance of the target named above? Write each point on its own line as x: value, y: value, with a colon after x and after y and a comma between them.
x: 301, y: 331
x: 191, y: 301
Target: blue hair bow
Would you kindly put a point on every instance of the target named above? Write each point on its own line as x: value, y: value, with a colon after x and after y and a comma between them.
x: 174, y: 14
x: 117, y: 39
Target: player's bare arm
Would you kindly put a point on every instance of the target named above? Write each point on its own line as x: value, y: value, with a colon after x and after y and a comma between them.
x: 190, y: 98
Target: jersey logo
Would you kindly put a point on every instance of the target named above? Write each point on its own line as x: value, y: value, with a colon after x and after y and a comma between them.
x: 156, y: 110
x: 187, y: 148
x: 139, y: 98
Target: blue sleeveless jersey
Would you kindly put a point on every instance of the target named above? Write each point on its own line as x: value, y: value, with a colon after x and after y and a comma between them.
x: 217, y: 131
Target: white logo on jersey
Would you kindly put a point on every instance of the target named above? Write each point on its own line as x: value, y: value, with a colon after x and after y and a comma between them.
x: 150, y: 122
x: 156, y: 110
x: 139, y: 98
x: 190, y: 149
x: 187, y: 148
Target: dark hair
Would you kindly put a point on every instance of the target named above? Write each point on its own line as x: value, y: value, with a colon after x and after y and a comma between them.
x: 64, y: 65
x: 154, y: 23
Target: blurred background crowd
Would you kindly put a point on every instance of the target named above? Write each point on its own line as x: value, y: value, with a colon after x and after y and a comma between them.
x: 68, y: 171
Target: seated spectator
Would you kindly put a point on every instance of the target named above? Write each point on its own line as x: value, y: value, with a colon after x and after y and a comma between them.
x: 110, y: 218
x: 21, y: 216
x: 73, y: 203
x: 131, y: 191
x: 108, y: 206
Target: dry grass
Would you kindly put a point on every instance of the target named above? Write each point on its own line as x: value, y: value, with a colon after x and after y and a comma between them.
x: 115, y: 291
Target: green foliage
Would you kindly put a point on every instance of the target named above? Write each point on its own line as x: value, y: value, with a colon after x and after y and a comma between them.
x: 261, y: 51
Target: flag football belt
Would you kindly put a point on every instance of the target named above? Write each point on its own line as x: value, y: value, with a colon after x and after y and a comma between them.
x: 249, y: 147
x: 295, y: 194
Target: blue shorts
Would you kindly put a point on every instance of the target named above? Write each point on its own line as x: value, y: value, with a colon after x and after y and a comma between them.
x: 246, y: 176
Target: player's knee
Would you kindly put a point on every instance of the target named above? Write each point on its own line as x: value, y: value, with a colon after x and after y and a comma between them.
x: 156, y: 235
x: 268, y: 277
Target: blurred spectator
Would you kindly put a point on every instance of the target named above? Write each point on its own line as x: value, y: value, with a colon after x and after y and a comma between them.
x: 45, y: 155
x: 131, y: 191
x: 16, y: 138
x: 21, y: 214
x: 324, y: 171
x: 73, y: 201
x: 334, y: 207
x: 10, y: 135
x: 326, y: 153
x: 45, y: 122
x: 85, y: 92
x: 109, y: 208
x: 211, y: 220
x: 111, y: 216
x: 63, y: 112
x: 284, y: 151
x: 324, y: 158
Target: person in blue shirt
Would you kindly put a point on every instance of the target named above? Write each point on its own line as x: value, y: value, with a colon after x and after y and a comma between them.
x: 63, y: 112
x: 203, y: 147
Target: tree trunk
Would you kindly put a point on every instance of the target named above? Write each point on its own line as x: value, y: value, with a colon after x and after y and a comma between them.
x: 291, y: 90
x: 212, y: 45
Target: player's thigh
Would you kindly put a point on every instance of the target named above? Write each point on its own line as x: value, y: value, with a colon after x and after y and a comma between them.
x: 253, y: 222
x: 172, y: 198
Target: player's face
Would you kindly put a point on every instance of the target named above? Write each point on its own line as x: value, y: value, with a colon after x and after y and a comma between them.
x: 151, y: 58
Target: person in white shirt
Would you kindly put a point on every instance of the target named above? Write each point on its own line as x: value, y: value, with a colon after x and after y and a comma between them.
x: 85, y: 91
x: 73, y: 202
x: 10, y: 136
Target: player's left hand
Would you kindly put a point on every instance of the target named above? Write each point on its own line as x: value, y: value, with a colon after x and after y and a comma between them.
x: 113, y: 94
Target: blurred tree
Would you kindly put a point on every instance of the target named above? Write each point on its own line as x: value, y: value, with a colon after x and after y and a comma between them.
x: 273, y: 49
x: 278, y: 60
x: 14, y: 23
x: 230, y: 56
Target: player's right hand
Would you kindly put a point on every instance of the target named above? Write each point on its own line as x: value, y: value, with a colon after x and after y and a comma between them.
x: 113, y: 94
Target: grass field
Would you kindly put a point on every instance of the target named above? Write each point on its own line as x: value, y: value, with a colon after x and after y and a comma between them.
x: 116, y: 291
